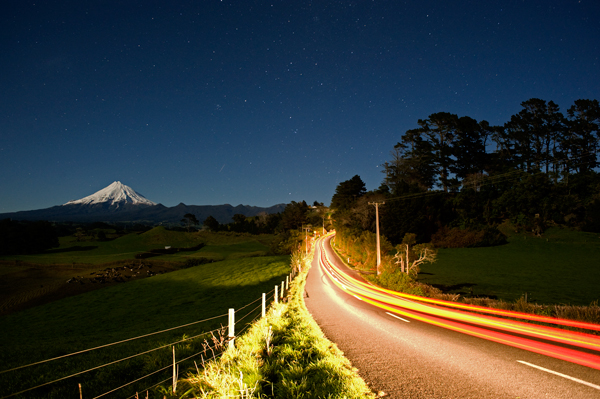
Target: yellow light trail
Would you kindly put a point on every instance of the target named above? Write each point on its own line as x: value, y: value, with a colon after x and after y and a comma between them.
x: 459, y: 317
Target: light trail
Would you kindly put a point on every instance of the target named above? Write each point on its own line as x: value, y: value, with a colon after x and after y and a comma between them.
x: 467, y: 319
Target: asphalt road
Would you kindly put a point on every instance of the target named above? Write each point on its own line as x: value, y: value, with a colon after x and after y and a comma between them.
x: 411, y: 359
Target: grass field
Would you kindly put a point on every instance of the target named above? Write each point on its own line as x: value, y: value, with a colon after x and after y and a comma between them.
x: 93, y: 251
x: 130, y: 309
x: 561, y: 267
x: 31, y: 280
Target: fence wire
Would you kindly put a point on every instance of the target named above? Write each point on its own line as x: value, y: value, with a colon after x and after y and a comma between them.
x: 208, y: 347
x: 111, y: 344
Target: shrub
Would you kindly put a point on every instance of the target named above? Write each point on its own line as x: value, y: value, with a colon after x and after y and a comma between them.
x: 191, y: 262
x: 468, y: 238
x: 397, y: 281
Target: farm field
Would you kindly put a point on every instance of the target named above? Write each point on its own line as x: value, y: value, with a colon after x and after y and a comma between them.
x: 32, y: 280
x: 561, y: 267
x: 130, y: 309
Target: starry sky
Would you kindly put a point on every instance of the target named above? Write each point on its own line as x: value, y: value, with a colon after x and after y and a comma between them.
x: 210, y: 102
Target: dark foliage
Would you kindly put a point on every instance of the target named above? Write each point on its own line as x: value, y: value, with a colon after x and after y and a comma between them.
x: 26, y: 237
x: 167, y: 251
x: 347, y: 192
x: 456, y: 237
x: 191, y: 262
x: 445, y: 178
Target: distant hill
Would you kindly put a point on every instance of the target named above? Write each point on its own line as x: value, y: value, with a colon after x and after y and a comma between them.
x: 120, y: 203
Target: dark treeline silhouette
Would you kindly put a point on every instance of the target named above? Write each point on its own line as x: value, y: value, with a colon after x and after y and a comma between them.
x: 288, y: 226
x: 26, y: 237
x: 453, y: 176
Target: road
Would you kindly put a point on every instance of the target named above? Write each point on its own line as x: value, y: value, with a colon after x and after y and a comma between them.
x: 406, y: 358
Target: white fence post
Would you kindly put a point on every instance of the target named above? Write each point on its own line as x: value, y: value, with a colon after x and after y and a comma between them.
x: 276, y: 296
x: 264, y: 304
x: 287, y: 282
x: 231, y: 327
x: 282, y: 290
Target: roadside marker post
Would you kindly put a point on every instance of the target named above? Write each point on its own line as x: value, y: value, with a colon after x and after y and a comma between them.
x: 276, y: 294
x: 264, y: 304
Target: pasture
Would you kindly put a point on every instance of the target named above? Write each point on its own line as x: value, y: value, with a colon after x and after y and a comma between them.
x: 561, y: 267
x: 137, y: 307
x: 32, y: 280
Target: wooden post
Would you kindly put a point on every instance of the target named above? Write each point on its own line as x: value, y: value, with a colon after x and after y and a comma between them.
x: 174, y: 372
x: 231, y: 327
x: 264, y: 304
x: 276, y: 296
x: 287, y: 282
x: 282, y: 290
x: 80, y: 393
x: 377, y: 232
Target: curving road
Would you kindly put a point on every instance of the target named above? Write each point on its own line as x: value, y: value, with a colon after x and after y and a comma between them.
x: 406, y: 358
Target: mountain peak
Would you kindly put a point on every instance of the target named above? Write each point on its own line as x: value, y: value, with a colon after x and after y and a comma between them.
x: 114, y: 194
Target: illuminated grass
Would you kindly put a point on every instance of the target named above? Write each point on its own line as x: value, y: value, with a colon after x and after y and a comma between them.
x: 284, y: 355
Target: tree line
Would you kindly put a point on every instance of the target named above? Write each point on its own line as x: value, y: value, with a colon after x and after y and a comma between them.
x: 453, y: 180
x: 450, y: 152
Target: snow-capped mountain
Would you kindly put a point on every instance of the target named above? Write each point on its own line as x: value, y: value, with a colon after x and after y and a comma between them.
x: 120, y: 203
x: 115, y: 194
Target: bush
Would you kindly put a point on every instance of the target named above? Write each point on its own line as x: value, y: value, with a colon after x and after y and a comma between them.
x: 191, y: 262
x: 397, y: 281
x: 468, y: 238
x: 26, y: 237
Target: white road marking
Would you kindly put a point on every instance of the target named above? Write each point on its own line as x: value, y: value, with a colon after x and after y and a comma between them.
x: 357, y: 297
x: 589, y: 384
x: 398, y: 317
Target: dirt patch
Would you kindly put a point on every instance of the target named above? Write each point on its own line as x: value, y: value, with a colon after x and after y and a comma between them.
x: 24, y: 286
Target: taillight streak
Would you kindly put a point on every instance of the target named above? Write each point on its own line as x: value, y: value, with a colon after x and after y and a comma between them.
x: 453, y: 319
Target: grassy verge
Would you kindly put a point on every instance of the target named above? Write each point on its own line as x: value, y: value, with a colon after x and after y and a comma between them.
x: 283, y: 355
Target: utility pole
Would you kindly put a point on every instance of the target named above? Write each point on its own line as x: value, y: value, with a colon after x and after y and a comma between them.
x: 377, y: 228
x: 307, y: 228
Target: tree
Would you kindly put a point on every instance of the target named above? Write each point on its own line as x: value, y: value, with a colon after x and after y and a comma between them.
x: 211, y: 223
x: 409, y: 256
x: 411, y: 168
x: 318, y: 214
x: 294, y: 215
x: 440, y: 129
x: 347, y: 192
x: 238, y: 218
x: 581, y: 145
x: 534, y: 134
x: 468, y: 148
x: 190, y: 220
x: 26, y: 237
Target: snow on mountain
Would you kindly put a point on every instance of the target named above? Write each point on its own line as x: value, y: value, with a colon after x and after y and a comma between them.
x: 115, y: 194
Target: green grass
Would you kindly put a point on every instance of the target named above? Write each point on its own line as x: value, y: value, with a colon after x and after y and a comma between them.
x: 124, y: 311
x: 562, y: 267
x: 219, y: 247
x: 284, y: 355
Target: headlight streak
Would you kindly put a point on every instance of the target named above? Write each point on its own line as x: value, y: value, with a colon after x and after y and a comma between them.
x: 453, y: 319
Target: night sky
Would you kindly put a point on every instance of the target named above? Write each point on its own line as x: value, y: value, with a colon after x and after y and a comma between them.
x: 259, y: 103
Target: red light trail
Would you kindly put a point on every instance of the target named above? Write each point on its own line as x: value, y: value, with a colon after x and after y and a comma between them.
x: 468, y: 319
